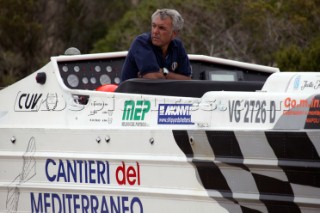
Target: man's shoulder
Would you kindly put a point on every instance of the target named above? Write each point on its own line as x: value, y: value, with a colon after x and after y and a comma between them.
x: 141, y: 41
x: 144, y: 37
x: 177, y: 43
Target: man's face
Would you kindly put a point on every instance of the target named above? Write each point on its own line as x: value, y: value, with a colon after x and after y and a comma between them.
x: 162, y: 31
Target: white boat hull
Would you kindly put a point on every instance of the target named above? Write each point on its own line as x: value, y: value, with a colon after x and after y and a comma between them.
x: 75, y: 150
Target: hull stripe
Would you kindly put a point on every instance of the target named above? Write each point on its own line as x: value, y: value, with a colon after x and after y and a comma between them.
x: 291, y: 162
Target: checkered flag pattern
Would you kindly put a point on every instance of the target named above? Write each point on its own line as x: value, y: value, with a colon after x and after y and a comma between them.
x: 256, y: 171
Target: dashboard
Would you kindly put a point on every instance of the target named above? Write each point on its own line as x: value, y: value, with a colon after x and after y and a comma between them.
x: 89, y: 74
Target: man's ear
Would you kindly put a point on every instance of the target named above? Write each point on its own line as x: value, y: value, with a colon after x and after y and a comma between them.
x: 174, y: 34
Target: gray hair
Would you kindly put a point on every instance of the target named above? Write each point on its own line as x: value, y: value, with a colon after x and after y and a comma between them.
x: 177, y: 20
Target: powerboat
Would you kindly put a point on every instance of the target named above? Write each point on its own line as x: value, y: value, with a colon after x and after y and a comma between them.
x: 239, y: 137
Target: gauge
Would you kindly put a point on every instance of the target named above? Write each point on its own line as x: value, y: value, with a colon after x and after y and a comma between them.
x: 105, y: 79
x: 85, y: 80
x: 73, y: 80
x: 97, y: 68
x: 109, y: 69
x: 117, y: 80
x: 93, y: 80
x: 65, y: 68
x: 76, y: 68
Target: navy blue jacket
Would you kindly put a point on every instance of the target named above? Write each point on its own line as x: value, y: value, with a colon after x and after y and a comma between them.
x: 143, y: 57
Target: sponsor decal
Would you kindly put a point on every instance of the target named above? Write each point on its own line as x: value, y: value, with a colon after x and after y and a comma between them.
x: 299, y: 84
x: 54, y: 202
x: 175, y: 114
x: 301, y: 103
x: 91, y: 171
x: 28, y: 102
x: 35, y: 102
x: 51, y: 101
x: 174, y: 66
x: 101, y: 110
x: 76, y: 172
x: 135, y: 112
x: 88, y: 172
x: 300, y: 106
x: 310, y: 84
x: 296, y: 83
x: 313, y: 117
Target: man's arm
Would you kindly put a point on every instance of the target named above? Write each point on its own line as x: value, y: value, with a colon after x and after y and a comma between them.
x: 170, y: 75
x: 176, y: 76
x: 154, y: 75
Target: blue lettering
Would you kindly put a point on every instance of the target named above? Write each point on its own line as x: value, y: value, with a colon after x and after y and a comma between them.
x: 72, y: 171
x: 86, y: 173
x: 124, y: 207
x: 61, y: 172
x: 136, y: 200
x: 102, y: 169
x: 53, y: 202
x: 92, y: 172
x: 53, y: 197
x: 64, y: 203
x: 53, y: 177
x: 94, y: 203
x: 108, y: 172
x: 76, y: 206
x: 36, y: 207
x: 113, y: 205
x: 85, y: 203
x: 46, y: 197
x: 80, y: 169
x: 69, y: 198
x: 104, y: 205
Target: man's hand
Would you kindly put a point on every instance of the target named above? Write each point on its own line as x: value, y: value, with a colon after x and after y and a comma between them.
x: 177, y: 76
x: 170, y: 75
x: 154, y: 75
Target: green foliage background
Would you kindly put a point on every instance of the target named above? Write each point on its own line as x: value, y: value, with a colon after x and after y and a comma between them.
x: 278, y: 33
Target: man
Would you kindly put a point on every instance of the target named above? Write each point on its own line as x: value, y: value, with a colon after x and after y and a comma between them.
x: 159, y: 55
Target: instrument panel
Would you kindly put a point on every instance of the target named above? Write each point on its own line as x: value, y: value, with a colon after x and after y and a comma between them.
x: 90, y: 74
